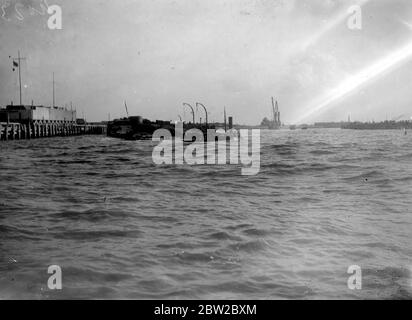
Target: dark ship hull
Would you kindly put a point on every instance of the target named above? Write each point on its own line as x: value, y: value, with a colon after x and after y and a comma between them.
x: 274, y: 126
x: 137, y: 128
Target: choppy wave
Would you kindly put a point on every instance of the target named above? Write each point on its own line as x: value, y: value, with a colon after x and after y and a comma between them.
x: 122, y: 227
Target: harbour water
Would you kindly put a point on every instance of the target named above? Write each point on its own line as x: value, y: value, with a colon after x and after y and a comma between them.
x: 121, y: 227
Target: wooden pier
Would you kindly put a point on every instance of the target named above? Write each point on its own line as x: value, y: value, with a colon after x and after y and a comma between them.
x: 18, y: 131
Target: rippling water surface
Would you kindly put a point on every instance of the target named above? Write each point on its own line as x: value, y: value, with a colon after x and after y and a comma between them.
x: 121, y: 227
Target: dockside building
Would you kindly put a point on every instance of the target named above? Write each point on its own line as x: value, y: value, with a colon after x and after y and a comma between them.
x: 33, y: 114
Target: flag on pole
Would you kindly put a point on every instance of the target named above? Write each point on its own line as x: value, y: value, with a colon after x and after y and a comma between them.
x: 15, y: 65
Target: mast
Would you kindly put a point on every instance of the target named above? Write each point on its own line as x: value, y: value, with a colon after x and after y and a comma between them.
x: 225, y: 118
x: 18, y: 65
x: 127, y: 111
x: 54, y: 104
x: 277, y: 113
x: 273, y: 111
x: 20, y: 76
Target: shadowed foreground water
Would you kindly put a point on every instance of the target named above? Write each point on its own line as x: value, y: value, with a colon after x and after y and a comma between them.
x: 121, y: 227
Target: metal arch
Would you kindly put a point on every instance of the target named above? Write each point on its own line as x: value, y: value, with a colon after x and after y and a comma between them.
x: 200, y: 104
x: 191, y: 108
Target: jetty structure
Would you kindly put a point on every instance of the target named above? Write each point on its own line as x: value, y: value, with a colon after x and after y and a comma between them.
x: 30, y: 121
x: 402, y: 122
x: 36, y: 121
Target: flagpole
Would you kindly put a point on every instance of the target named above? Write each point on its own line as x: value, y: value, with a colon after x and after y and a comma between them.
x: 53, y: 92
x: 225, y: 118
x: 19, y: 76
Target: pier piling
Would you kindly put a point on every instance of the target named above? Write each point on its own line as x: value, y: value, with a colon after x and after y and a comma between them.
x: 20, y: 131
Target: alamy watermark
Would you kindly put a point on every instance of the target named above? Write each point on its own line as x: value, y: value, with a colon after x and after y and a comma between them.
x: 213, y: 151
x: 355, y: 280
x: 19, y: 10
x: 355, y: 19
x: 55, y: 20
x: 55, y: 280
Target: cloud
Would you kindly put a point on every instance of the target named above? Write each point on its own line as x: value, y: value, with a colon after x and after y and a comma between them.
x: 159, y: 53
x: 18, y: 10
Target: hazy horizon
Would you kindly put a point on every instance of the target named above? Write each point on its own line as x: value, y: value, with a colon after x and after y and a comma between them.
x: 234, y: 54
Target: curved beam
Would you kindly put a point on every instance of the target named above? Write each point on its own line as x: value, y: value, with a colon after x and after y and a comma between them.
x: 200, y: 104
x: 193, y: 110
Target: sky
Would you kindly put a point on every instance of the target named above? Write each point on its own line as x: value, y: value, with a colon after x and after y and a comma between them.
x: 158, y: 54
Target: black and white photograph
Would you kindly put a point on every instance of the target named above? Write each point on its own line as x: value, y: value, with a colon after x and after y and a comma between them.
x: 219, y: 151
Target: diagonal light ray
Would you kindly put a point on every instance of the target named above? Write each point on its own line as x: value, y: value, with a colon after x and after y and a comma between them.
x: 407, y: 24
x: 351, y: 84
x: 340, y: 18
